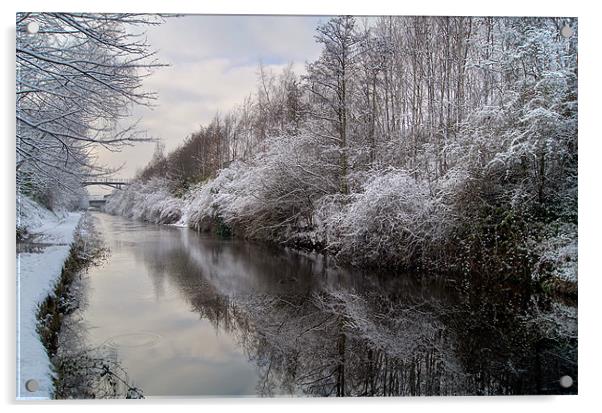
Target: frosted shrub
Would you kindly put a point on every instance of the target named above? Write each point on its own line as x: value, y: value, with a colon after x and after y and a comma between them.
x: 147, y: 201
x: 391, y: 222
x: 201, y: 208
x: 558, y: 253
x: 271, y: 197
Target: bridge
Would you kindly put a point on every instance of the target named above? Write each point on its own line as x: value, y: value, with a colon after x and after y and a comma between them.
x: 97, y: 201
x: 113, y: 182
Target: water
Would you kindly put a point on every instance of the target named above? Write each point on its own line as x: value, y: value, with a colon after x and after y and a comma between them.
x: 192, y: 315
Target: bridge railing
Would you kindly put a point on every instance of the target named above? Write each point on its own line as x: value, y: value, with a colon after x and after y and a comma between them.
x: 107, y: 181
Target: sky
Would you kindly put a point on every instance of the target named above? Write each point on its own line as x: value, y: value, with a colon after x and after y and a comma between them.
x: 214, y: 64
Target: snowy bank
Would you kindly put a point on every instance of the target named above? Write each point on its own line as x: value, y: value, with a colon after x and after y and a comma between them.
x: 151, y: 202
x: 37, y: 273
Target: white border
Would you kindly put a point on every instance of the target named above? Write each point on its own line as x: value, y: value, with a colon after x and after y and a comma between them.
x: 590, y: 166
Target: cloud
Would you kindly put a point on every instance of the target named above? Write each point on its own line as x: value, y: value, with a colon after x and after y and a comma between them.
x: 213, y: 67
x: 276, y: 39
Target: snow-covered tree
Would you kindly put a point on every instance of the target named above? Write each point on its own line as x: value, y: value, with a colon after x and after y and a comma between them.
x: 77, y: 77
x: 329, y: 83
x: 448, y: 142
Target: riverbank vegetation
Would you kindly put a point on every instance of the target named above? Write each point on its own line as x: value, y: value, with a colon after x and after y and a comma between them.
x: 62, y: 301
x: 441, y: 143
x: 414, y: 142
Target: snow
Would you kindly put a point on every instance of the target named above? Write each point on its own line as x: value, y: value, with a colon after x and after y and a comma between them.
x: 31, y: 215
x: 149, y: 201
x: 388, y: 223
x: 558, y: 254
x: 468, y: 183
x: 37, y: 273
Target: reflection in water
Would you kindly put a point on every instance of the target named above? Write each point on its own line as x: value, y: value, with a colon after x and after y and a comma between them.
x: 293, y: 324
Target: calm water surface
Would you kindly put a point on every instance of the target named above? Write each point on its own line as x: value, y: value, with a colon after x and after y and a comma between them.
x: 192, y: 315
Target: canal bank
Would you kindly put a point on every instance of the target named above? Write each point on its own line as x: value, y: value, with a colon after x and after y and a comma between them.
x: 43, y: 248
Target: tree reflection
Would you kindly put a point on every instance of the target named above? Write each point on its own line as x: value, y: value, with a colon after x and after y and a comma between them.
x: 312, y: 329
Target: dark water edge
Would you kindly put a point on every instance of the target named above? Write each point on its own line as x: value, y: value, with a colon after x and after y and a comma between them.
x: 230, y: 317
x: 557, y: 288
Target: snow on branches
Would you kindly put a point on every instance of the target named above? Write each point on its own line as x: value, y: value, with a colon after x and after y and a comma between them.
x: 77, y: 77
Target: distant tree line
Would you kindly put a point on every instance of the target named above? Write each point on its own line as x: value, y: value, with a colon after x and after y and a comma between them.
x: 277, y: 107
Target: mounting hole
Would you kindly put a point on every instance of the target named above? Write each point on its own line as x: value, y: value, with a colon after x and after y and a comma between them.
x: 33, y: 27
x: 566, y: 381
x: 32, y: 385
x: 566, y: 31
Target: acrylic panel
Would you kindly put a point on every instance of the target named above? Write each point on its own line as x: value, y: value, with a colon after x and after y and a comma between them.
x: 221, y: 205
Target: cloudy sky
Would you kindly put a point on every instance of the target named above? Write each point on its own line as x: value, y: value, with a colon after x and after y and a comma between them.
x: 213, y: 67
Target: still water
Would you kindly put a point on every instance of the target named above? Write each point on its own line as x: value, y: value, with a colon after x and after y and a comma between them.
x: 191, y: 315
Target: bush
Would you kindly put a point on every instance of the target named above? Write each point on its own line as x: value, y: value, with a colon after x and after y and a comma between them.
x: 147, y: 201
x: 395, y: 221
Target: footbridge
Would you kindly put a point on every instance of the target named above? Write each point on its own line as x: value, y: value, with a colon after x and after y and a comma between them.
x: 117, y: 183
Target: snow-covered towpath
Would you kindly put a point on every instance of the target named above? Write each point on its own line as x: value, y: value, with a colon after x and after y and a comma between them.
x: 37, y: 273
